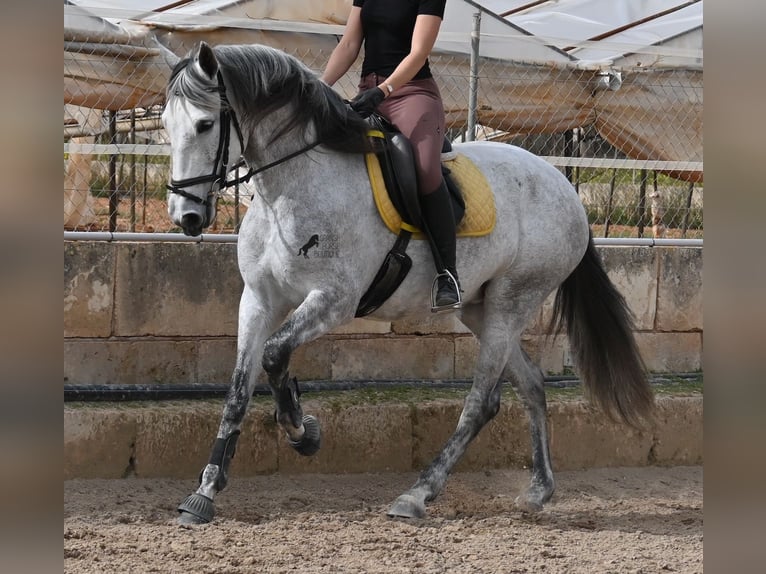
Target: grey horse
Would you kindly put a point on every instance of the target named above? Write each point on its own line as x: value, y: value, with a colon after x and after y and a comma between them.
x: 305, y: 150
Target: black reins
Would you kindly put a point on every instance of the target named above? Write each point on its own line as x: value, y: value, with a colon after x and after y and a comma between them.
x: 227, y: 117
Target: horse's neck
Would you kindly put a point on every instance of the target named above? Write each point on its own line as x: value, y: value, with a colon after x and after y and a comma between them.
x: 263, y: 148
x: 287, y: 181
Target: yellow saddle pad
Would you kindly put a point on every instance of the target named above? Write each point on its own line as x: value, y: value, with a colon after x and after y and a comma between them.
x: 479, y: 218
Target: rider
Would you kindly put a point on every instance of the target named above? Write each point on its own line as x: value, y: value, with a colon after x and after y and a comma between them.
x: 398, y: 36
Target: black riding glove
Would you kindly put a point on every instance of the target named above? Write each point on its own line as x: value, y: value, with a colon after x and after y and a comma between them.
x: 366, y: 102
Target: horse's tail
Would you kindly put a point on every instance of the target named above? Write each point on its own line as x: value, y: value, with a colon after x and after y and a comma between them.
x: 600, y: 330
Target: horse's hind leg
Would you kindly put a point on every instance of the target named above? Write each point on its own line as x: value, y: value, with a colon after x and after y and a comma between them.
x: 481, y: 404
x: 254, y: 323
x: 527, y: 380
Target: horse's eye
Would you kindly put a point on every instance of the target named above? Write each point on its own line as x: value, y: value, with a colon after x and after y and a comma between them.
x: 204, y: 125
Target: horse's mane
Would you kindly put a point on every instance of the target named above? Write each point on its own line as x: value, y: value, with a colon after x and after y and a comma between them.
x: 263, y: 79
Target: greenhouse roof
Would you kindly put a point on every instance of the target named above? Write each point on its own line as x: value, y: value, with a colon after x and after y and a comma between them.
x: 593, y: 30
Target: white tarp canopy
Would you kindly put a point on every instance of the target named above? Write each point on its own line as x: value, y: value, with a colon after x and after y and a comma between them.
x: 595, y: 32
x: 543, y: 31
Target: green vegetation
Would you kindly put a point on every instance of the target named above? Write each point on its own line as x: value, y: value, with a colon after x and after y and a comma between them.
x: 663, y: 385
x: 615, y: 192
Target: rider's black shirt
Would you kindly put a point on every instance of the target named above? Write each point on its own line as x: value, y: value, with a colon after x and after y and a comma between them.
x: 387, y: 26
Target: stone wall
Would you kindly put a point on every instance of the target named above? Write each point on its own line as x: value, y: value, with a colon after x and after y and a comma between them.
x: 148, y: 313
x: 106, y: 440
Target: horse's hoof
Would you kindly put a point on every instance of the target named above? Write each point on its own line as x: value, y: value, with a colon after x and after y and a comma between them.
x: 526, y: 504
x: 311, y: 440
x: 196, y: 509
x: 407, y: 506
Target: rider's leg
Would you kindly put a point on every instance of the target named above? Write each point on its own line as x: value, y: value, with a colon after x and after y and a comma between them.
x: 440, y: 222
x: 416, y: 109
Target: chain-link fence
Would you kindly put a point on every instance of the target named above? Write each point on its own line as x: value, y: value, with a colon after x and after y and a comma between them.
x: 630, y: 144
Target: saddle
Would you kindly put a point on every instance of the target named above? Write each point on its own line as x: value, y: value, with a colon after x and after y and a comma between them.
x: 394, y: 183
x: 395, y: 162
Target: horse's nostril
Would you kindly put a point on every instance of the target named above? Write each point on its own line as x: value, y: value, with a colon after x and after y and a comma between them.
x: 191, y: 223
x: 191, y: 220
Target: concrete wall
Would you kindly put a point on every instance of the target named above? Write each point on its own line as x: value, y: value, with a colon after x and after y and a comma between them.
x: 148, y: 313
x: 173, y: 438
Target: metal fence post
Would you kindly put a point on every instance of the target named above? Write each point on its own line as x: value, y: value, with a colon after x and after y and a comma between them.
x: 114, y: 199
x: 642, y: 202
x: 132, y: 186
x: 473, y: 80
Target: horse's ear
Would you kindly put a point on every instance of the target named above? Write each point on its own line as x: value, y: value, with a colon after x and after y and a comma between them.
x: 206, y: 60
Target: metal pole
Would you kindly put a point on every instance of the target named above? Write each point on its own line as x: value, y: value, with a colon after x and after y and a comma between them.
x: 473, y: 85
x: 143, y: 191
x: 133, y: 172
x: 232, y: 238
x: 609, y: 203
x: 114, y: 199
x: 642, y: 203
x: 687, y: 214
x: 569, y: 152
x: 236, y: 206
x: 576, y: 153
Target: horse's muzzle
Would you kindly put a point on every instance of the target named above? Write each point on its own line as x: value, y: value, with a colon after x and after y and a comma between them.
x: 192, y: 224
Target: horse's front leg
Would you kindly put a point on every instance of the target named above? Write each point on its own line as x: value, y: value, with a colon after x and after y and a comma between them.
x: 319, y: 313
x: 254, y: 324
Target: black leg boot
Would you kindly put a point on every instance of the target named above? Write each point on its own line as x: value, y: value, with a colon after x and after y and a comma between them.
x: 440, y: 226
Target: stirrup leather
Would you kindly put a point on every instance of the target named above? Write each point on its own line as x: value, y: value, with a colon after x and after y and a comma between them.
x: 435, y: 290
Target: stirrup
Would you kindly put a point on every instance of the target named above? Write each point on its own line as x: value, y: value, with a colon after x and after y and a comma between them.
x: 435, y: 289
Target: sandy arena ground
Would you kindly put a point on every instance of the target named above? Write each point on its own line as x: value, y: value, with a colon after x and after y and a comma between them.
x: 618, y: 520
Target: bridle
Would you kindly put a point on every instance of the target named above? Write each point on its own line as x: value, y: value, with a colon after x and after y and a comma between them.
x: 218, y: 176
x: 227, y: 117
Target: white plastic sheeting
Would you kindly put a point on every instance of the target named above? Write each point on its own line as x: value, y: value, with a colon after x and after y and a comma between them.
x: 112, y: 67
x: 595, y: 32
x: 602, y: 30
x: 590, y: 31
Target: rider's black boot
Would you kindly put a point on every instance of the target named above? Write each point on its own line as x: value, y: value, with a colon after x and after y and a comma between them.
x: 440, y: 222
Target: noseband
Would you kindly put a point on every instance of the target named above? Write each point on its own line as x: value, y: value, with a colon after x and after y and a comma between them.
x: 227, y: 117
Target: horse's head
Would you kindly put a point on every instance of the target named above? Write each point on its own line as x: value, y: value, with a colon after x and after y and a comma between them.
x: 204, y: 148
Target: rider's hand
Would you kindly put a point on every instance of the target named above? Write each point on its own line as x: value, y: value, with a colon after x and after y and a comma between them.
x: 366, y: 102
